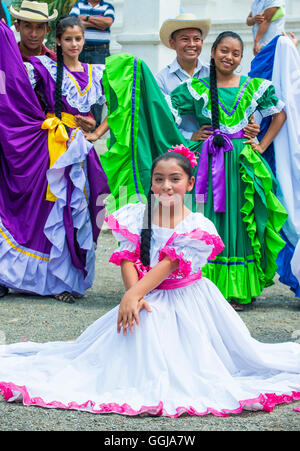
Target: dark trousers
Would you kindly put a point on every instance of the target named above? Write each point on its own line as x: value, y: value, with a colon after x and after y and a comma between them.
x: 95, y: 54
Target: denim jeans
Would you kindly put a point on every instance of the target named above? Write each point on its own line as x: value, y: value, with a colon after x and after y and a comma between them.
x: 95, y: 54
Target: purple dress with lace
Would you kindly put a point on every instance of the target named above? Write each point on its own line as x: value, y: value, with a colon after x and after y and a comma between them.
x: 46, y: 247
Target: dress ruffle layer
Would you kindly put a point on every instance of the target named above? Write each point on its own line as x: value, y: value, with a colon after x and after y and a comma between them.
x: 267, y: 402
x: 244, y: 278
x: 266, y: 244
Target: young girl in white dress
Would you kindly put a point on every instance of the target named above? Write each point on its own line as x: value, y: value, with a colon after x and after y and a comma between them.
x: 181, y: 348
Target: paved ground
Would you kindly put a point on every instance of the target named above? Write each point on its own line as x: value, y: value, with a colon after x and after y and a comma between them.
x: 274, y: 318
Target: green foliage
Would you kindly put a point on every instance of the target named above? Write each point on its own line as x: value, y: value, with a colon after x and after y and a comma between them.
x: 63, y: 7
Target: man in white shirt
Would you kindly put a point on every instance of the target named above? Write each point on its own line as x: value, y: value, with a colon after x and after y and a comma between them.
x: 185, y: 35
x: 267, y: 19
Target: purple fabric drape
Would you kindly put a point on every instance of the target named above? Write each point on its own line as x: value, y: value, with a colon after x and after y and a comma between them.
x: 24, y: 151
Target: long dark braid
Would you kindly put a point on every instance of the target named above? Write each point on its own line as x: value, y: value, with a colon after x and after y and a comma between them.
x: 218, y: 139
x: 146, y: 232
x: 59, y: 79
x: 63, y: 23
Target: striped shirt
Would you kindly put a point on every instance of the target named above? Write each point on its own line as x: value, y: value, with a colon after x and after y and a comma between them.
x: 84, y: 8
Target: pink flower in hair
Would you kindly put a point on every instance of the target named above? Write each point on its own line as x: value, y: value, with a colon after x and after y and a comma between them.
x: 180, y: 148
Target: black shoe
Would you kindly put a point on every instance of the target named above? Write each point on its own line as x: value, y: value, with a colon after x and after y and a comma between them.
x: 3, y: 291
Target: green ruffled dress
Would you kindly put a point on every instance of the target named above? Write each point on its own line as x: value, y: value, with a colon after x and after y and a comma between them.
x: 142, y: 127
x: 249, y: 227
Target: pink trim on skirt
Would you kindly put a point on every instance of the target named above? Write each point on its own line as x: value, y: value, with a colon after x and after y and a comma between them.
x: 268, y: 401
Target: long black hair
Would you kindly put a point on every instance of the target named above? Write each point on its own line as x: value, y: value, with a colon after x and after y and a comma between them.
x: 146, y: 232
x: 218, y: 139
x: 63, y: 23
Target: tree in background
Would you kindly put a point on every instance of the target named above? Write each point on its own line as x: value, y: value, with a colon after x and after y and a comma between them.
x: 63, y: 7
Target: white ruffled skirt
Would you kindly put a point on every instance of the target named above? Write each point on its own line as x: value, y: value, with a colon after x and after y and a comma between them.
x: 192, y: 354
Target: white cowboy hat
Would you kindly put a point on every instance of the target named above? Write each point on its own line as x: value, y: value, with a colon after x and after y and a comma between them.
x: 181, y: 22
x: 33, y: 12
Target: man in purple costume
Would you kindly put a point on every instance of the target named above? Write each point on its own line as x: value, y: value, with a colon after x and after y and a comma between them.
x: 32, y: 256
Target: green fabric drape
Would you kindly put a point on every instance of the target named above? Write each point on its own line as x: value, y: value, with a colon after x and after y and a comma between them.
x: 142, y: 128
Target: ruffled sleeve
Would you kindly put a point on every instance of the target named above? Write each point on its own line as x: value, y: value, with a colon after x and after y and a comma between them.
x: 180, y: 102
x: 32, y: 74
x: 193, y: 248
x: 126, y: 224
x: 43, y: 67
x: 268, y: 103
x: 97, y: 80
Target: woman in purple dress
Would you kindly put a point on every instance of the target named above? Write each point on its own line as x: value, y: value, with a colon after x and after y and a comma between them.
x: 52, y: 185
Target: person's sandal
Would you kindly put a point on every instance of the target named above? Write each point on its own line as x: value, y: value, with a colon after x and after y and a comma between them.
x: 65, y: 297
x: 236, y: 306
x: 3, y: 291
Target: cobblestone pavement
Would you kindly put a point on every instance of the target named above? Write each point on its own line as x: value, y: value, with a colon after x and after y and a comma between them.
x: 275, y: 317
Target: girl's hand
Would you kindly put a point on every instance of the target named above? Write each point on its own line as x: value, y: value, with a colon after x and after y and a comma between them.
x: 293, y: 37
x: 256, y: 48
x: 252, y: 129
x: 143, y: 304
x: 93, y: 136
x: 202, y: 134
x: 255, y: 146
x: 86, y: 123
x: 96, y: 134
x: 128, y: 314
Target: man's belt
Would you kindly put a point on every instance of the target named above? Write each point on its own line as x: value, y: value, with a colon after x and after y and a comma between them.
x: 96, y: 46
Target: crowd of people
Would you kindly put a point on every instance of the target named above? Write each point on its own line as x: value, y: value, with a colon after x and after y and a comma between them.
x: 182, y: 138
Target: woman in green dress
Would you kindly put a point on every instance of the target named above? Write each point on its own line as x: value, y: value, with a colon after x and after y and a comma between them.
x: 239, y: 198
x: 233, y: 180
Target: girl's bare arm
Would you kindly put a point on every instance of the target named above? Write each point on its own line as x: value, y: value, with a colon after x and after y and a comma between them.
x: 128, y: 311
x: 96, y: 134
x: 273, y: 130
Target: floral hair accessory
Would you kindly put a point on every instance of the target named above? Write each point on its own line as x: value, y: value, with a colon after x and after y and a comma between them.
x: 185, y: 151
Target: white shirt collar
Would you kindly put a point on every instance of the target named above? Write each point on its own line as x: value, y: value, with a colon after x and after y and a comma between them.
x: 176, y: 66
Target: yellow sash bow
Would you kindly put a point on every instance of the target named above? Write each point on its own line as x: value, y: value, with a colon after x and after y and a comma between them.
x: 57, y: 139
